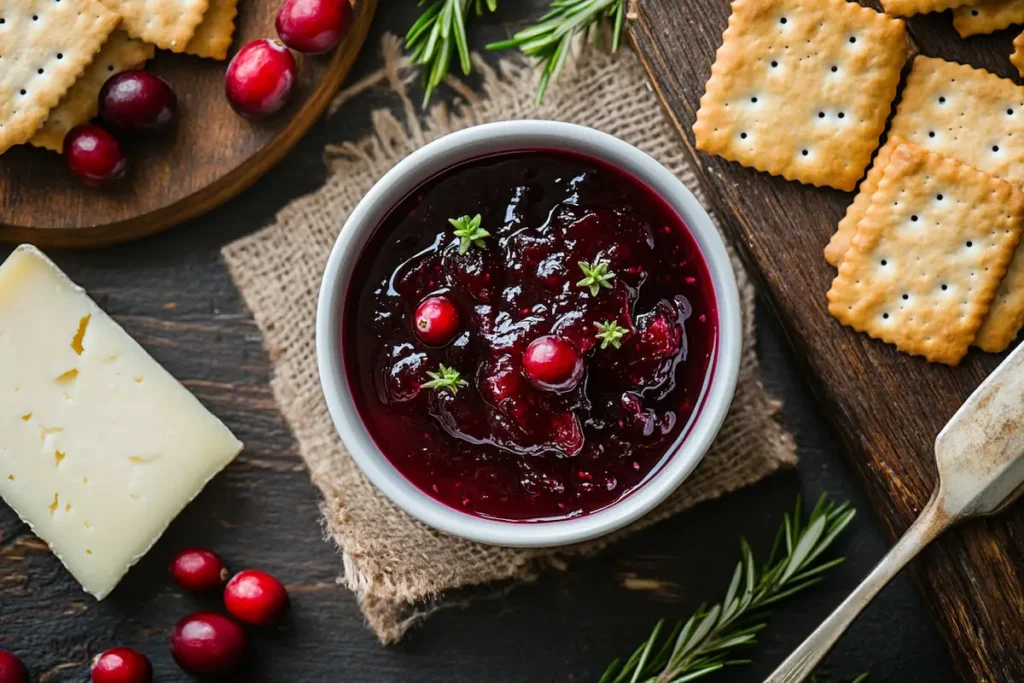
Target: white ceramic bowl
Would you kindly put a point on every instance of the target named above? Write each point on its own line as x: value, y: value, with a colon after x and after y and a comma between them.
x: 443, y: 154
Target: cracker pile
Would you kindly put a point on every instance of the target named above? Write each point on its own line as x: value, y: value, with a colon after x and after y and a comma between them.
x: 55, y: 55
x: 934, y: 243
x: 927, y: 254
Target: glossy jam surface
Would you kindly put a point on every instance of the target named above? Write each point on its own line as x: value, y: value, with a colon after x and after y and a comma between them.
x: 501, y: 446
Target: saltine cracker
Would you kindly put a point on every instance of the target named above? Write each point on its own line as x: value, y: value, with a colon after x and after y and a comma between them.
x: 977, y: 118
x: 80, y: 103
x: 802, y: 88
x: 213, y: 36
x: 957, y: 111
x: 988, y: 16
x: 168, y: 24
x: 928, y: 255
x: 44, y: 47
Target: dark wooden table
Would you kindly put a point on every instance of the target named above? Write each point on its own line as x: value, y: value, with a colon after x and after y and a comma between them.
x: 173, y: 293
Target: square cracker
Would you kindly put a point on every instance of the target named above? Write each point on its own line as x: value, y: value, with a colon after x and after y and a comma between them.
x: 987, y: 16
x: 168, y: 24
x: 1017, y: 58
x: 80, y: 103
x: 972, y: 116
x: 802, y: 88
x: 213, y: 36
x: 928, y: 255
x: 44, y: 47
x: 906, y: 8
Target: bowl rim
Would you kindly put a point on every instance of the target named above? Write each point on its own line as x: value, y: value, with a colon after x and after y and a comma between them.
x: 484, y: 140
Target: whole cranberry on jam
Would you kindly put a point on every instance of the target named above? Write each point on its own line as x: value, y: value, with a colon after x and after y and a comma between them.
x: 138, y: 101
x: 11, y: 669
x: 584, y: 346
x: 552, y: 364
x: 436, y: 320
x: 256, y: 598
x: 94, y: 156
x: 199, y: 570
x: 121, y: 665
x: 313, y: 26
x: 260, y: 78
x: 207, y: 644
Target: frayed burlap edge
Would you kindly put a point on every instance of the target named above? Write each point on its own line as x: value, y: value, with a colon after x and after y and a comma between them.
x: 399, y: 569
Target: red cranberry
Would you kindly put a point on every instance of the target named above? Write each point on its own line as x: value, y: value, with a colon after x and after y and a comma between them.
x: 138, y: 101
x: 256, y: 598
x: 436, y: 320
x: 11, y: 669
x: 121, y: 665
x: 199, y: 570
x: 206, y: 643
x: 313, y: 25
x: 552, y: 363
x: 94, y: 155
x: 260, y: 78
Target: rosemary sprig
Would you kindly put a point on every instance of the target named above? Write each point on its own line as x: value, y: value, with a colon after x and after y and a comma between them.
x: 708, y: 640
x: 550, y: 40
x: 438, y: 35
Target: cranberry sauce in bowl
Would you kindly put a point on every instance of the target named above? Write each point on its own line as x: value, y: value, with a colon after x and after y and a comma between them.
x: 529, y: 335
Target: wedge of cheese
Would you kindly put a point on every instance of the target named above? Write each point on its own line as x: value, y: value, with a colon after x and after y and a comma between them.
x: 100, y: 447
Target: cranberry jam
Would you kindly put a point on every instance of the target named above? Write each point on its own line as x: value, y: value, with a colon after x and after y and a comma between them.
x: 542, y: 361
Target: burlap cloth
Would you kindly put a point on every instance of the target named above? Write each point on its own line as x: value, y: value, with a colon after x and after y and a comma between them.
x: 399, y: 569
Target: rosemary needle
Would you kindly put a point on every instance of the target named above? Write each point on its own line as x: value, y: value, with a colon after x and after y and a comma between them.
x: 439, y: 34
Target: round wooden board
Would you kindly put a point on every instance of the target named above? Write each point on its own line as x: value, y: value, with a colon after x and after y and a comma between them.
x: 213, y: 155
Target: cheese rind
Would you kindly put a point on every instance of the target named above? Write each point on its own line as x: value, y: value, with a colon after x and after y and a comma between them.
x: 100, y: 447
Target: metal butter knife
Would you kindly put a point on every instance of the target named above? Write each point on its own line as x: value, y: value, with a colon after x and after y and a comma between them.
x: 980, y: 457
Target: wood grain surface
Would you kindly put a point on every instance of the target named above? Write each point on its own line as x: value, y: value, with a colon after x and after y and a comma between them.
x: 212, y: 155
x: 887, y: 407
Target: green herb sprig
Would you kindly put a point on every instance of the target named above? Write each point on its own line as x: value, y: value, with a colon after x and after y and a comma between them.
x: 596, y: 276
x: 550, y: 40
x: 469, y: 232
x: 440, y: 34
x: 708, y: 640
x: 446, y: 378
x: 610, y: 333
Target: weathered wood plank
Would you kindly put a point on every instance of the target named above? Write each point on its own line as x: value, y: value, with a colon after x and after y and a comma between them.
x: 887, y: 407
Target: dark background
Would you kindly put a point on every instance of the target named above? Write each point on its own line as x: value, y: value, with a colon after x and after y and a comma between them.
x: 174, y: 294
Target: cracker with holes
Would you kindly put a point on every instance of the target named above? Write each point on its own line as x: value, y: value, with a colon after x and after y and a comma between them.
x: 972, y: 116
x: 929, y: 254
x: 213, y: 36
x: 987, y: 16
x: 168, y: 24
x: 81, y: 103
x: 44, y: 46
x: 802, y: 88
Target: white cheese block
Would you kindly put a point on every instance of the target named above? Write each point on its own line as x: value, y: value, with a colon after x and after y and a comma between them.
x: 100, y: 447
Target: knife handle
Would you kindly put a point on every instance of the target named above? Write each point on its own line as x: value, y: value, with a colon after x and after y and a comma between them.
x: 801, y: 664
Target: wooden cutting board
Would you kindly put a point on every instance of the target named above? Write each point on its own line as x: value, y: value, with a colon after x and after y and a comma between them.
x: 886, y: 406
x: 212, y: 155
